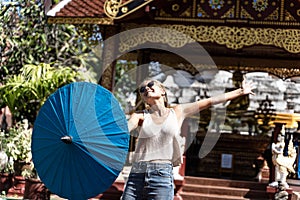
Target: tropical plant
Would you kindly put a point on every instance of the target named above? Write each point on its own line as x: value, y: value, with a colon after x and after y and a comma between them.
x: 27, y: 38
x: 26, y: 92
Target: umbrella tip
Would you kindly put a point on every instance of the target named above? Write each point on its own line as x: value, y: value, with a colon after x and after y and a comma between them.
x: 66, y: 139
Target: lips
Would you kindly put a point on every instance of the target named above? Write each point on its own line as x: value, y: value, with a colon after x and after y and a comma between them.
x: 147, y: 92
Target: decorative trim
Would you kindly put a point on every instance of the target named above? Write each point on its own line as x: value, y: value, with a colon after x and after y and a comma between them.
x: 283, y: 73
x: 114, y: 9
x: 231, y: 37
x: 177, y: 19
x: 167, y: 59
x: 243, y: 12
x: 80, y: 20
x: 224, y: 21
x: 111, y: 8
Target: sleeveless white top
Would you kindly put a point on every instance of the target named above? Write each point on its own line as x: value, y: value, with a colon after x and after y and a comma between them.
x: 159, y: 142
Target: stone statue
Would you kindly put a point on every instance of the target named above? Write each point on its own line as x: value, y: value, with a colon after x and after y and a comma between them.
x: 283, y: 164
x: 281, y: 194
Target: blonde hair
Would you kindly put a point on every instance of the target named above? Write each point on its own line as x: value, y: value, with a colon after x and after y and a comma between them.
x: 160, y: 85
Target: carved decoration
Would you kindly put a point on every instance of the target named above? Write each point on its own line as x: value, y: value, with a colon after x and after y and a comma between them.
x: 169, y: 60
x: 116, y: 9
x: 282, y: 73
x: 260, y: 5
x: 111, y: 8
x: 216, y: 4
x: 201, y: 12
x: 228, y: 14
x: 80, y: 20
x: 177, y: 8
x: 243, y: 12
x: 231, y: 37
x: 285, y: 73
x: 274, y: 15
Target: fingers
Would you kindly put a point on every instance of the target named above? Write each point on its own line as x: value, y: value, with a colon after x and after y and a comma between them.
x: 248, y: 85
x: 252, y: 93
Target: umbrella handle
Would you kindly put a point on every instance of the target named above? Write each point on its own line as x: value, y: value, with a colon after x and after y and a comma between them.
x: 66, y: 139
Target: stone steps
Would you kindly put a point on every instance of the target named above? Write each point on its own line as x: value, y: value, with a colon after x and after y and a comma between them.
x: 225, y: 182
x: 197, y: 196
x: 217, y: 189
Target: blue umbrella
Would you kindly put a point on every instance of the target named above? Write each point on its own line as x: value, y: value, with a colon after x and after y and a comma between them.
x: 80, y: 141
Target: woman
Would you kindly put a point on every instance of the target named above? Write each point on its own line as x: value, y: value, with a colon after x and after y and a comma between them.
x: 157, y: 150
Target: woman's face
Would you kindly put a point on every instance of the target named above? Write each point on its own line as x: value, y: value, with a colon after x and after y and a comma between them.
x: 151, y: 89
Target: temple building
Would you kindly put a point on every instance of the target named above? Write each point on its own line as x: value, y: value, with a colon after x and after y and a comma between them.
x: 200, y: 48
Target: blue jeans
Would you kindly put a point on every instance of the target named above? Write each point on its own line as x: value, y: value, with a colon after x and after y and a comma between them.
x: 150, y: 181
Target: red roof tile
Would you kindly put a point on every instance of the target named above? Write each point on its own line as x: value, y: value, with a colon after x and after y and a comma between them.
x: 79, y: 8
x: 82, y: 8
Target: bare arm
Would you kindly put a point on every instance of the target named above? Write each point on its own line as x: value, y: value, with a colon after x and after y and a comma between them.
x: 134, y: 120
x: 193, y: 108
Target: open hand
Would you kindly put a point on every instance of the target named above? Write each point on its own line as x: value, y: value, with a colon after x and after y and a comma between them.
x: 248, y: 86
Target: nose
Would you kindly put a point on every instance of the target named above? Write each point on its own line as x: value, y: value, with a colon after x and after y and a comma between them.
x: 148, y: 88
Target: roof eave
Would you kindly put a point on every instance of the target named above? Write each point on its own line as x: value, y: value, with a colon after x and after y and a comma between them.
x: 52, y: 12
x: 80, y: 20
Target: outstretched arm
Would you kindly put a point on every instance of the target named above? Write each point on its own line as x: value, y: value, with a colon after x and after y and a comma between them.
x: 245, y: 89
x: 193, y: 108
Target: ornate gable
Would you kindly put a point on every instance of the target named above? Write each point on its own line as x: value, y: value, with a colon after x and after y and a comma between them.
x: 235, y: 12
x: 92, y: 11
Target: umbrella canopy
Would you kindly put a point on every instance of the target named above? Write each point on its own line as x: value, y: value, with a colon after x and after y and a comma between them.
x: 80, y: 141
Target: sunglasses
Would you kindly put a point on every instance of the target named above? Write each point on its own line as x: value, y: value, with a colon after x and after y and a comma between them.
x: 149, y: 85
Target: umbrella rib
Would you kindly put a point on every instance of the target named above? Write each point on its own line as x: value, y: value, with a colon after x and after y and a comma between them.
x: 107, y: 160
x: 87, y: 153
x: 48, y: 130
x: 82, y: 101
x: 87, y: 168
x: 66, y: 114
x: 57, y: 116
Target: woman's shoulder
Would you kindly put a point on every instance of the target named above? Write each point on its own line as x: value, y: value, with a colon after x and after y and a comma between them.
x: 139, y: 117
x: 177, y: 108
x: 139, y: 113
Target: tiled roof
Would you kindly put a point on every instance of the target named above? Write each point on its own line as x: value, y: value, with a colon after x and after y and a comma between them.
x: 78, y: 8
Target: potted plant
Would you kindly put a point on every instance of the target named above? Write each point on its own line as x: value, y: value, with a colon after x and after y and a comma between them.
x: 16, y: 145
x: 6, y: 167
